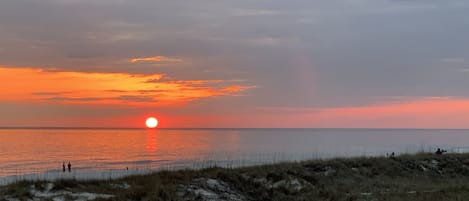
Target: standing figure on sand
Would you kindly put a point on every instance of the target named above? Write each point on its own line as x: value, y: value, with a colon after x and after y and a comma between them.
x: 440, y: 151
x: 392, y: 155
x: 69, y: 166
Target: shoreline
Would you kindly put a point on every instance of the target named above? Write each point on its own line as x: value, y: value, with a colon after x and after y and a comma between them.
x: 106, y: 174
x: 423, y: 176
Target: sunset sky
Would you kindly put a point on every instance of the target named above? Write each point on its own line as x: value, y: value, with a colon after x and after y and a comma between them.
x: 243, y: 63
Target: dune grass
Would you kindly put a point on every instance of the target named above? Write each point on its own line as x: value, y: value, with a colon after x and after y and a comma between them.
x: 408, y: 177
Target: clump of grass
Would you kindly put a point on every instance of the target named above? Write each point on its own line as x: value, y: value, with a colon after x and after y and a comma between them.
x: 19, y: 189
x: 64, y: 184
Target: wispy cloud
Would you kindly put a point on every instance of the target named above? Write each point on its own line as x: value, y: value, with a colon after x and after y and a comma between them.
x: 236, y: 88
x: 155, y: 59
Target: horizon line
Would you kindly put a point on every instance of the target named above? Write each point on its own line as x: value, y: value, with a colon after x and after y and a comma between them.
x: 204, y: 128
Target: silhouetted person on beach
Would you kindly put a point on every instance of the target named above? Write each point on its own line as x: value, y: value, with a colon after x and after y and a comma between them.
x: 63, y: 166
x: 69, y: 167
x: 440, y: 151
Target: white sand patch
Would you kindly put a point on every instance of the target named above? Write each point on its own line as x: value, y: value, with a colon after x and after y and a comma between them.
x: 207, y: 189
x: 46, y: 193
x: 366, y: 194
x: 89, y: 196
x: 292, y: 184
x: 59, y: 199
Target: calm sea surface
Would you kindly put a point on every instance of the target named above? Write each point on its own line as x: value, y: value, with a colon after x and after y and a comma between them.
x: 36, y: 151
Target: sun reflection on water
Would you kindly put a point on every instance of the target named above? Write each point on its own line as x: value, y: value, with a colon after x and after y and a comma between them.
x: 151, y: 141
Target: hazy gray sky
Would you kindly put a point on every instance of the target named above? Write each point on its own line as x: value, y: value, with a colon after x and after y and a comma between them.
x: 297, y: 57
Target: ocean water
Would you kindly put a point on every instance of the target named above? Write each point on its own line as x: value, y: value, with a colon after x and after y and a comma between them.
x: 42, y: 151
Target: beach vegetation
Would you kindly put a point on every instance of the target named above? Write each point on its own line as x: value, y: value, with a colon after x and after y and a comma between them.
x: 423, y: 176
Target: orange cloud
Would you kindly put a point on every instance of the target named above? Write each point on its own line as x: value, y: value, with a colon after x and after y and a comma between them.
x: 162, y: 59
x: 236, y: 88
x: 37, y: 85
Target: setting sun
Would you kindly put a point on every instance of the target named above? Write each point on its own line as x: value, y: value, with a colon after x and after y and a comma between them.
x: 151, y: 122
